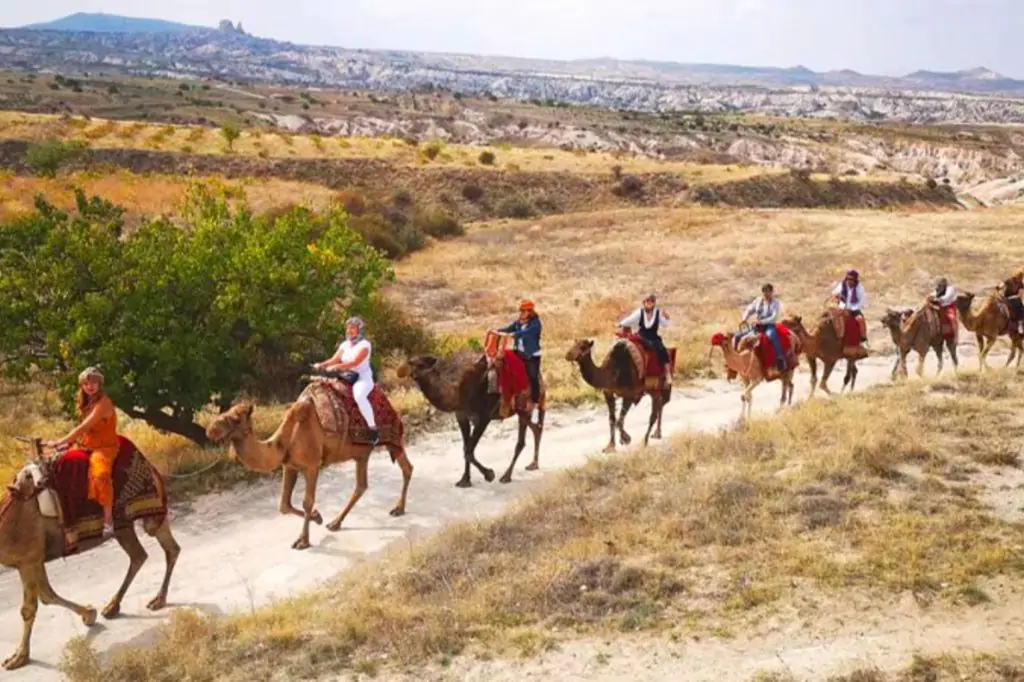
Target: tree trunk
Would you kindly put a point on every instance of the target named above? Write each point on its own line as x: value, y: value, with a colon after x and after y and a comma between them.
x: 182, y: 426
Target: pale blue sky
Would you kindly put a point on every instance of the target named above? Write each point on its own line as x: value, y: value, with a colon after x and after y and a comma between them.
x: 886, y: 37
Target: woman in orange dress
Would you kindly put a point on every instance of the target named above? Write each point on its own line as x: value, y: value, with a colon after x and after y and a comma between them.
x: 96, y: 434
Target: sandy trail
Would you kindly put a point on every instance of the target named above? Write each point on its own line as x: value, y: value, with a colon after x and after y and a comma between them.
x: 236, y: 551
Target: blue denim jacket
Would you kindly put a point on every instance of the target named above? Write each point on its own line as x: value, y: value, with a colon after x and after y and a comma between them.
x: 526, y: 337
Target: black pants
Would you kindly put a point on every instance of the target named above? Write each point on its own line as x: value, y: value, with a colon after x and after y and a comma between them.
x: 1016, y: 308
x: 654, y: 341
x: 533, y: 372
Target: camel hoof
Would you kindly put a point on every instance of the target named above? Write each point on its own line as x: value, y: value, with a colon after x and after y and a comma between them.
x: 334, y: 526
x: 111, y: 611
x: 89, y: 617
x: 156, y: 603
x: 533, y: 466
x: 464, y: 483
x: 301, y: 543
x: 609, y: 448
x: 656, y: 435
x: 507, y: 478
x: 398, y: 511
x: 489, y: 475
x: 316, y: 518
x: 19, y: 659
x: 625, y: 439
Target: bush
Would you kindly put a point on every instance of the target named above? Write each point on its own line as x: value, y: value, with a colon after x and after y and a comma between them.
x: 472, y: 192
x: 234, y: 304
x: 439, y: 224
x: 230, y: 134
x: 629, y: 186
x: 354, y: 203
x: 514, y: 207
x: 46, y: 158
x: 487, y: 158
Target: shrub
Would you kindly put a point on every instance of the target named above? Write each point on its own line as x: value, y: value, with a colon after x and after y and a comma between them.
x: 432, y: 150
x: 230, y: 134
x: 487, y: 158
x: 629, y: 186
x: 212, y: 311
x: 472, y: 192
x: 46, y: 158
x: 515, y: 207
x: 354, y: 203
x: 438, y: 224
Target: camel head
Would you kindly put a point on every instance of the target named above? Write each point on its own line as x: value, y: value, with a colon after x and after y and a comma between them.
x: 417, y: 367
x: 796, y: 324
x: 964, y: 300
x: 579, y: 350
x: 234, y: 424
x: 893, y: 318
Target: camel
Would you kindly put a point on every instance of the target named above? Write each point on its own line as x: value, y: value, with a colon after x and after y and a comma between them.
x: 467, y: 395
x: 745, y: 363
x: 988, y: 324
x: 616, y: 378
x: 825, y: 345
x: 30, y: 538
x: 302, y: 445
x: 919, y: 331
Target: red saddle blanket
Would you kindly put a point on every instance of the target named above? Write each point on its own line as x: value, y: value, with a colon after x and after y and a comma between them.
x: 338, y: 413
x: 512, y: 376
x: 766, y: 351
x: 948, y: 322
x: 136, y: 494
x: 652, y: 365
x: 851, y: 331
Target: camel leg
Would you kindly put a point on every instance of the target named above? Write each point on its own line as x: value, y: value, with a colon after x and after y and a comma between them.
x: 362, y: 483
x: 938, y: 354
x: 851, y: 376
x: 825, y: 374
x: 665, y: 397
x: 137, y: 556
x: 538, y: 431
x: 895, y: 368
x: 29, y: 608
x: 308, y: 500
x: 813, y: 363
x: 981, y: 341
x: 162, y: 532
x: 920, y: 364
x: 402, y: 460
x: 609, y: 399
x: 289, y: 477
x: 524, y: 421
x: 478, y: 432
x: 624, y: 437
x: 951, y: 346
x: 49, y: 596
x: 656, y: 407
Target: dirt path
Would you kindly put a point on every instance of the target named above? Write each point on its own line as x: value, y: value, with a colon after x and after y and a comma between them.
x: 236, y: 548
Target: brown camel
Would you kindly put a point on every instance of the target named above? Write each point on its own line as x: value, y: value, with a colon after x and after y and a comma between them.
x: 919, y: 331
x: 825, y: 345
x: 617, y: 377
x: 988, y: 324
x: 302, y: 445
x: 466, y: 387
x: 29, y: 540
x: 745, y: 363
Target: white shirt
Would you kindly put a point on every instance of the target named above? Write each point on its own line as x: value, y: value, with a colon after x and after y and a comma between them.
x: 348, y: 352
x: 949, y: 298
x: 634, y: 319
x: 767, y: 311
x: 862, y: 298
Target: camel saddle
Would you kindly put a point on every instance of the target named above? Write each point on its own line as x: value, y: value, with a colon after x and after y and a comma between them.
x: 65, y: 493
x: 761, y: 345
x: 648, y: 367
x: 941, y: 320
x: 850, y: 334
x: 340, y: 416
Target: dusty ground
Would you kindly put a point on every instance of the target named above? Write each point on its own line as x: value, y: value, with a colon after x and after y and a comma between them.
x: 235, y: 547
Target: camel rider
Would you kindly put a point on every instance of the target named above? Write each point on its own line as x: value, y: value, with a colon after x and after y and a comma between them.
x: 852, y: 298
x: 1012, y: 289
x: 945, y: 294
x: 525, y: 333
x: 353, y: 355
x: 648, y: 320
x: 97, y: 435
x: 766, y: 309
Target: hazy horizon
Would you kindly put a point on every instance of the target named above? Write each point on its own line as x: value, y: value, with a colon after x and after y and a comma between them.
x: 879, y: 37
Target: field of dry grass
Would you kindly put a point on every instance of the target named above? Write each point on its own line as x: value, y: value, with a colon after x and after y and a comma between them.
x: 832, y: 505
x: 110, y: 134
x: 587, y: 271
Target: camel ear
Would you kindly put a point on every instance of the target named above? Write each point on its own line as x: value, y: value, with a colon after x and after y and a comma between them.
x: 247, y: 410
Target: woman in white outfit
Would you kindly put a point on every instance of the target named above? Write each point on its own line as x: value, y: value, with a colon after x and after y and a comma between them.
x: 353, y: 355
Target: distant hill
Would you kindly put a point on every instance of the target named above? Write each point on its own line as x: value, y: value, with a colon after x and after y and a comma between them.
x: 113, y: 23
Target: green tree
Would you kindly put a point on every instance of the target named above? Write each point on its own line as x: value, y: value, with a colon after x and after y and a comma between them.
x: 46, y: 158
x: 230, y: 134
x: 178, y: 316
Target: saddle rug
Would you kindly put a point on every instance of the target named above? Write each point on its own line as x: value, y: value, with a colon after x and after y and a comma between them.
x: 648, y: 368
x: 339, y: 415
x: 136, y: 494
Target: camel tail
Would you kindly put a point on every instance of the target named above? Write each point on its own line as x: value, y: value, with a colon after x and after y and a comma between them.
x: 622, y: 364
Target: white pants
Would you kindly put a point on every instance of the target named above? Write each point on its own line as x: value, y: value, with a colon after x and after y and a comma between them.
x: 361, y: 391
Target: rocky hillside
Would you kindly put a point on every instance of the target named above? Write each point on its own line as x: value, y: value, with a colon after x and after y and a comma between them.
x: 922, y: 97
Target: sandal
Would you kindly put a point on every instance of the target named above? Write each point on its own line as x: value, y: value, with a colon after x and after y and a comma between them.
x: 108, y: 531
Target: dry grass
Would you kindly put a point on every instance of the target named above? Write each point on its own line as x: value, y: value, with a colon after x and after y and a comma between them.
x: 104, y: 134
x: 713, y: 534
x: 147, y: 194
x: 1007, y: 667
x: 587, y: 271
